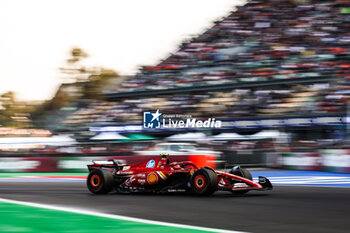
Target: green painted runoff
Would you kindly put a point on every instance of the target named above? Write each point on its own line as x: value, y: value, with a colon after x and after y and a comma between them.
x: 21, y: 218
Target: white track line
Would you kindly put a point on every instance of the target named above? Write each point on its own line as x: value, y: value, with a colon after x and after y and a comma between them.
x: 113, y: 216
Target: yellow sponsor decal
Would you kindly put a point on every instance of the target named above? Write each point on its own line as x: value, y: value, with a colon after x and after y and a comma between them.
x: 163, y: 175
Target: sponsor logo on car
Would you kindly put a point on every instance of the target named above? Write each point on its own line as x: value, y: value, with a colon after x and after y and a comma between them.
x: 141, y: 181
x: 126, y: 167
x: 150, y: 164
x: 141, y: 175
x: 162, y: 175
x: 222, y: 182
x: 125, y: 172
x: 152, y: 178
x: 130, y: 180
x: 240, y: 185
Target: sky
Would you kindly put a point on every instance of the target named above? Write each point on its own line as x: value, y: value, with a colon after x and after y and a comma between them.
x: 37, y: 35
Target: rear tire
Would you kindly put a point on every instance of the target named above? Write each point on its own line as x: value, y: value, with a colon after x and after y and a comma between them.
x: 246, y: 174
x: 100, y: 181
x: 204, y: 182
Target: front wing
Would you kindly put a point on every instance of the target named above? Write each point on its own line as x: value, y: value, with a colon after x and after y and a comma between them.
x: 230, y: 182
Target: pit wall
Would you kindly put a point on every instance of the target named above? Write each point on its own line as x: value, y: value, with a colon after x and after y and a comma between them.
x: 79, y: 164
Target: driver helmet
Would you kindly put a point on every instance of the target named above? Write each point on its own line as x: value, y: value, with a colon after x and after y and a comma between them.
x: 164, y: 155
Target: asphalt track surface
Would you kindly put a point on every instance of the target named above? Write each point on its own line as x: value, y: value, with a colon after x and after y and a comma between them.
x: 284, y: 209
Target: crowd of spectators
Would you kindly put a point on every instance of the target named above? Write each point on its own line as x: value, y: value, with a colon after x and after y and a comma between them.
x: 301, y: 100
x: 263, y: 40
x: 260, y: 41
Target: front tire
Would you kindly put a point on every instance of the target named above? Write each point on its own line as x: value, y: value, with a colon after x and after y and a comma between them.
x: 246, y: 174
x: 100, y: 181
x: 204, y: 182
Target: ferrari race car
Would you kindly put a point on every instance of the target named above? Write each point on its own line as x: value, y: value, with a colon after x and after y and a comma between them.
x: 161, y: 176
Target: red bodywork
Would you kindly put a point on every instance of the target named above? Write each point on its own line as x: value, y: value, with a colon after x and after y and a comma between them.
x: 160, y: 173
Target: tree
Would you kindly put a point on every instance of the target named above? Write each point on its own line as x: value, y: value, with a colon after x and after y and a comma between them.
x: 90, y: 78
x: 75, y: 70
x: 14, y: 113
x: 82, y: 82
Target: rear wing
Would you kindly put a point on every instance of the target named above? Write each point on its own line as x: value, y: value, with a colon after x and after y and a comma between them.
x: 106, y: 164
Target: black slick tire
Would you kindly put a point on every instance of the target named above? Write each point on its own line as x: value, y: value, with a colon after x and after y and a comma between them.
x: 246, y: 174
x: 100, y: 181
x: 204, y: 182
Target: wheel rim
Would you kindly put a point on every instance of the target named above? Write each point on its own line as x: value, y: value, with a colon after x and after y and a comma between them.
x: 200, y: 182
x: 95, y: 181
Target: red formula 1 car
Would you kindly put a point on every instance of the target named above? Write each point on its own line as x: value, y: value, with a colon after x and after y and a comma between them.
x: 159, y: 175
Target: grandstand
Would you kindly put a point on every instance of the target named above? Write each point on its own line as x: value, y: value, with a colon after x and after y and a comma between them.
x: 261, y: 62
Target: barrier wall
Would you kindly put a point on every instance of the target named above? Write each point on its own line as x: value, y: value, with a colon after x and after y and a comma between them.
x: 79, y: 164
x: 29, y: 164
x: 302, y: 161
x: 334, y: 160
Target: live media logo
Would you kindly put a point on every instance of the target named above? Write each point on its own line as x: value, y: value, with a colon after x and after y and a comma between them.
x: 152, y: 120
